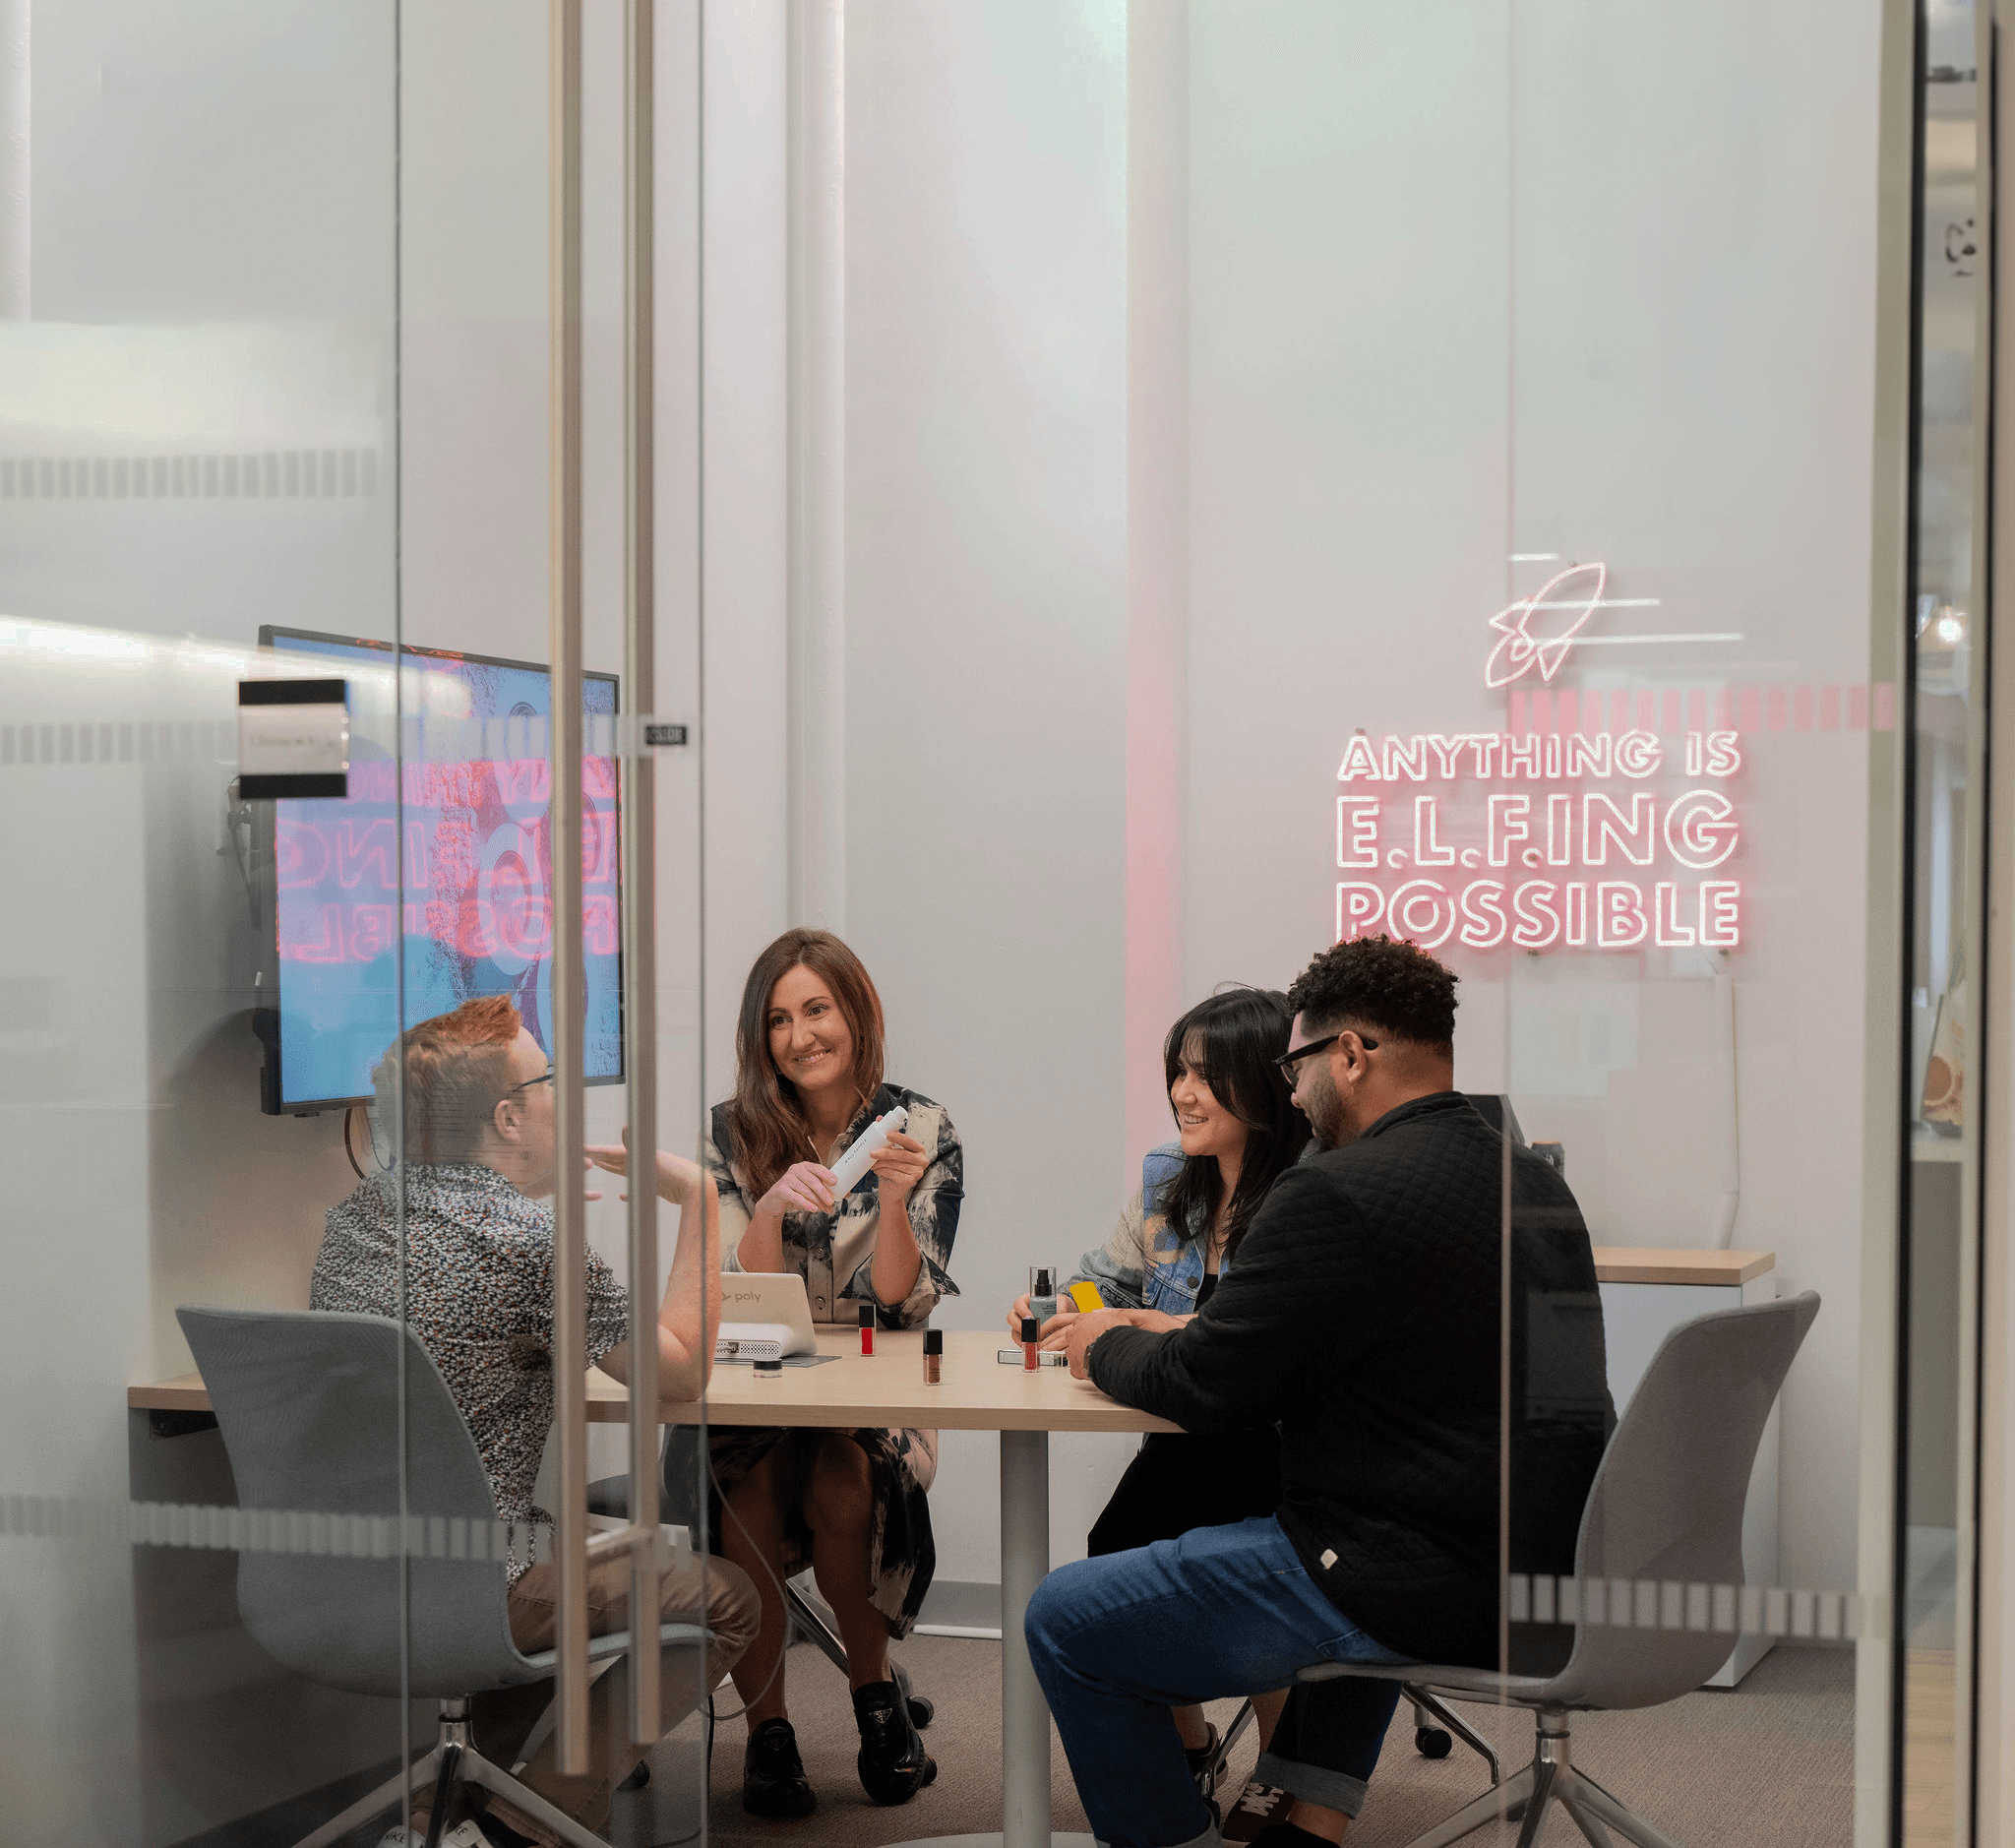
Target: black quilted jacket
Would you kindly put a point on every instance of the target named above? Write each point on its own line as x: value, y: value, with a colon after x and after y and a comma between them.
x: 1363, y: 1314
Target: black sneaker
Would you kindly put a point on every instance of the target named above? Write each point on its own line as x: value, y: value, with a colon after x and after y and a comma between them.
x: 1289, y: 1836
x: 1257, y: 1807
x: 893, y: 1763
x: 773, y: 1781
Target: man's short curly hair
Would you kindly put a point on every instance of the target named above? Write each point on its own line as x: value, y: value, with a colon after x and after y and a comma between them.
x: 1396, y: 988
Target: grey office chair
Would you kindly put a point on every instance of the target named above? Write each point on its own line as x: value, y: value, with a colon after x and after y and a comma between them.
x: 307, y: 1403
x: 1666, y: 1506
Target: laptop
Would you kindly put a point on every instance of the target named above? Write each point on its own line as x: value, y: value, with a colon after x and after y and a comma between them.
x: 764, y: 1315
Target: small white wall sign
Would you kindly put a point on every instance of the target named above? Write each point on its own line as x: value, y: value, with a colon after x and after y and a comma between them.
x: 293, y: 739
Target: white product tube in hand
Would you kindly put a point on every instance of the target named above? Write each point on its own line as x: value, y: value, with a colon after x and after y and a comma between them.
x: 854, y: 1163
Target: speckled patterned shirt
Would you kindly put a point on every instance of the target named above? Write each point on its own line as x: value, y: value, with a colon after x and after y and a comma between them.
x: 479, y: 1292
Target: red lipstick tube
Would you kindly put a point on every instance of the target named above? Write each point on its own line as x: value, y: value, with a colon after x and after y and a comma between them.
x: 867, y: 1327
x: 1031, y: 1334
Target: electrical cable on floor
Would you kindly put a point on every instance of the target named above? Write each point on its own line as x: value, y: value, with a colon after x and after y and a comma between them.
x: 712, y: 1718
x: 782, y: 1601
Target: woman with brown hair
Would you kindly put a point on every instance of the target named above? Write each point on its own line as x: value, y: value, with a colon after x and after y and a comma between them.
x: 850, y: 1504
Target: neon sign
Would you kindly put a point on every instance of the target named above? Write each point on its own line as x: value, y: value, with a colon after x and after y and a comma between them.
x: 1519, y: 651
x: 1575, y: 866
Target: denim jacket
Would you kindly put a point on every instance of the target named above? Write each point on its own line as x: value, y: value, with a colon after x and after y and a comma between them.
x: 1148, y: 1263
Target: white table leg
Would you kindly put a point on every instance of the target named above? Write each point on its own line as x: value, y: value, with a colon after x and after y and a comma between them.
x: 1025, y: 1714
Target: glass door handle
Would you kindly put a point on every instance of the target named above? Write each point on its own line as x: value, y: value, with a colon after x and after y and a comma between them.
x: 569, y: 1230
x: 638, y: 1539
x: 638, y: 776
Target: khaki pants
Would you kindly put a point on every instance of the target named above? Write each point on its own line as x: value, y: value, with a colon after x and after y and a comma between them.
x: 726, y: 1605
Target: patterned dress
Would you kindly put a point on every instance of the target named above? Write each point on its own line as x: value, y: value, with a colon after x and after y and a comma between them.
x: 479, y: 1295
x: 834, y: 1253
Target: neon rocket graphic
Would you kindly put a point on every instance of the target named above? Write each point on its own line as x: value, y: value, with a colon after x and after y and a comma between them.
x: 1561, y: 604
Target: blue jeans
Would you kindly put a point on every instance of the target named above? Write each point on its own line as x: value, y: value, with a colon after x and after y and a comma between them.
x: 1117, y: 1641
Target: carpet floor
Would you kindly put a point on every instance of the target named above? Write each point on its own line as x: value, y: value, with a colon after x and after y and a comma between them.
x: 1769, y: 1764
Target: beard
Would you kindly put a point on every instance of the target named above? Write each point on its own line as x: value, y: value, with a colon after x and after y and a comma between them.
x: 1330, y: 1118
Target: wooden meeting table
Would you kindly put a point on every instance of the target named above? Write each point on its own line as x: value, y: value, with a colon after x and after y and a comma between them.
x: 975, y: 1392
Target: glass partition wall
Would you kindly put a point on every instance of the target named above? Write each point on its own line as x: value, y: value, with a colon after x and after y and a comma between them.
x: 1687, y: 546
x: 1164, y: 489
x: 201, y: 339
x: 1528, y: 503
x: 1940, y: 1267
x: 298, y: 408
x: 1434, y: 475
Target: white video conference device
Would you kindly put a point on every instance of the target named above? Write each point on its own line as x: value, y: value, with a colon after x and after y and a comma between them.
x: 751, y: 1340
x: 764, y: 1315
x: 854, y: 1163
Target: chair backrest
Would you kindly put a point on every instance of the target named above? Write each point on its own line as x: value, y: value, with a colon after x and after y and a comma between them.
x: 1667, y: 1503
x: 1495, y: 1110
x: 308, y: 1405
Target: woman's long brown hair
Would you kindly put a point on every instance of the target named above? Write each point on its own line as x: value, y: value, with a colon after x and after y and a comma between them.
x: 764, y: 1116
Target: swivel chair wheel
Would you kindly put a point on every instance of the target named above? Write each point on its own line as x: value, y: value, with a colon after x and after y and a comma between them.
x: 1430, y: 1742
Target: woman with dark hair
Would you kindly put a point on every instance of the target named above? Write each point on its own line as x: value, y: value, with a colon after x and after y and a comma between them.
x: 1239, y: 1131
x: 849, y: 1504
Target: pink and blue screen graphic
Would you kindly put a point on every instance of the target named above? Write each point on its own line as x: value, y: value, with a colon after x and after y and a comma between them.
x: 444, y: 851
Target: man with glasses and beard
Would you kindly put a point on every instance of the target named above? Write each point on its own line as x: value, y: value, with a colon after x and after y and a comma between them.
x: 1364, y: 1317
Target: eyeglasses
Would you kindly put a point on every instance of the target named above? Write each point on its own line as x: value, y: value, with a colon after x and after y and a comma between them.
x: 1288, y: 1061
x: 544, y: 1077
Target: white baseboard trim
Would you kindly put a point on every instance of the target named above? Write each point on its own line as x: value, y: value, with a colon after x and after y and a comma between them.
x: 954, y: 1607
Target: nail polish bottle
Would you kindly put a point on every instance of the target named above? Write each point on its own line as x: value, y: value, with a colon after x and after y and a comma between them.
x: 1031, y: 1334
x: 867, y: 1327
x: 934, y: 1355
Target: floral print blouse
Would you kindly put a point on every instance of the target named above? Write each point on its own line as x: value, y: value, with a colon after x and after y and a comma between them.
x: 834, y: 1251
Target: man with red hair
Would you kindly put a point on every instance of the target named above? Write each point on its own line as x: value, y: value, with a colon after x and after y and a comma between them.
x: 469, y: 1094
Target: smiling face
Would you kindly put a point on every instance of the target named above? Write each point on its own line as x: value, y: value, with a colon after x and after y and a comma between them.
x: 1207, y: 1128
x: 808, y: 1042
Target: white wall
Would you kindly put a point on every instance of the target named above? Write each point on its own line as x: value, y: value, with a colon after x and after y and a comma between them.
x: 746, y: 517
x: 985, y: 634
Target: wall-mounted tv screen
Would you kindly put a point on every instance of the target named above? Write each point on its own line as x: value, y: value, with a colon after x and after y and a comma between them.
x: 442, y: 851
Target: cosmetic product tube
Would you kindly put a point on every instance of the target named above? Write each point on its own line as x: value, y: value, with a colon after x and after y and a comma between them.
x: 867, y: 1327
x: 934, y: 1355
x: 1031, y: 1334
